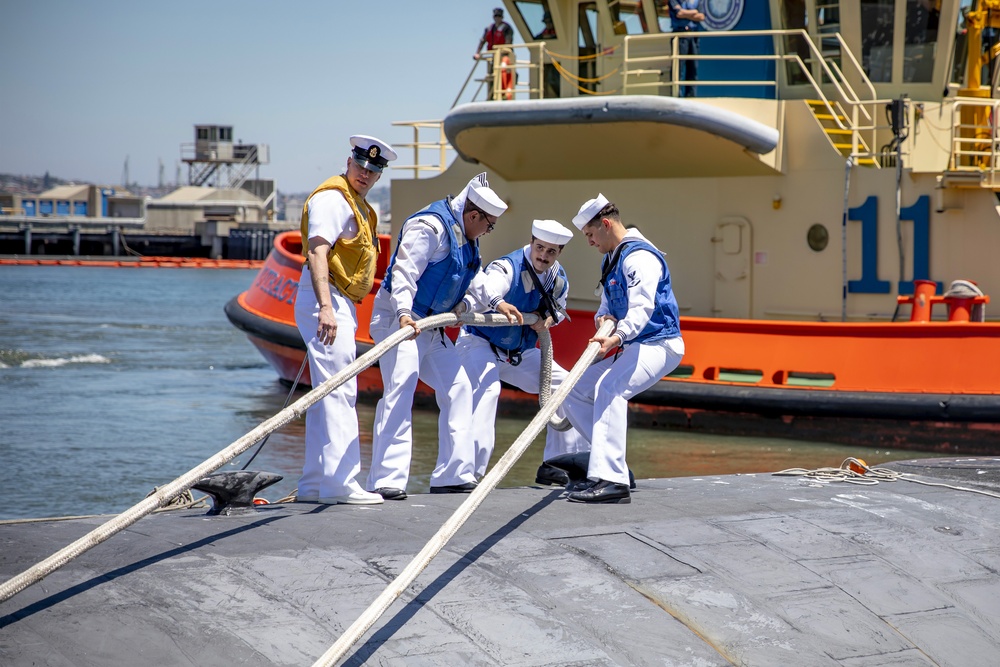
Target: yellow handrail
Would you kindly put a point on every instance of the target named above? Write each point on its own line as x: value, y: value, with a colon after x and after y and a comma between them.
x: 976, y: 146
x: 441, y: 145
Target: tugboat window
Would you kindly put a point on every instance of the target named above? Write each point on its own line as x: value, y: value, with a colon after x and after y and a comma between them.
x: 877, y: 18
x: 921, y: 40
x: 818, y: 237
x: 961, y: 53
x: 663, y: 15
x: 587, y: 46
x: 627, y: 17
x: 538, y: 18
x: 793, y: 17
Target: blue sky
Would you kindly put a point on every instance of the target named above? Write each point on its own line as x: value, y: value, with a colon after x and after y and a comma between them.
x: 87, y: 84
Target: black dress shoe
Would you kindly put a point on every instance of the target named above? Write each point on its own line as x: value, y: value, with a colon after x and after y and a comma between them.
x: 389, y: 493
x: 579, y: 485
x: 467, y: 487
x: 602, y: 492
x: 551, y: 475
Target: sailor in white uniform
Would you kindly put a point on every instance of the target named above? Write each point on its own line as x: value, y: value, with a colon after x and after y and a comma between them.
x: 339, y: 228
x: 436, y: 259
x: 636, y: 295
x: 532, y: 280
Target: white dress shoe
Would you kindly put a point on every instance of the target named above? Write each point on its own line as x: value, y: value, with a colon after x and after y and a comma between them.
x: 358, y: 497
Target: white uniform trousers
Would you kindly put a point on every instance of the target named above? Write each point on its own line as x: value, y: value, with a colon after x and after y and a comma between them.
x: 598, y: 404
x: 485, y: 373
x: 432, y: 358
x: 333, y: 448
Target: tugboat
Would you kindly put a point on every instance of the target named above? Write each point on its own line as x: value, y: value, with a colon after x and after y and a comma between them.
x: 826, y: 196
x: 754, y: 570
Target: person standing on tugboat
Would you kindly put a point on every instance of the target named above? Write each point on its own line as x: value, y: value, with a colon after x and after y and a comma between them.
x: 532, y: 280
x: 341, y: 246
x: 636, y: 295
x: 436, y: 259
x: 685, y: 17
x: 496, y: 34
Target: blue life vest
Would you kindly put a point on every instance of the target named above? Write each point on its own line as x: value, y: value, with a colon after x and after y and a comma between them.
x: 664, y: 322
x: 523, y: 296
x: 444, y: 282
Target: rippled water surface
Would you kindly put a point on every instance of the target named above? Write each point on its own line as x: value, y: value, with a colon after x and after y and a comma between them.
x: 117, y: 380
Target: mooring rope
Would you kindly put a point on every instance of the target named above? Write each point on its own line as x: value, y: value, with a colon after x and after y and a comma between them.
x: 163, y: 495
x: 856, y: 471
x: 464, y: 511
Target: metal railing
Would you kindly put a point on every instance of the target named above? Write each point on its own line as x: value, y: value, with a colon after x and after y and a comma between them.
x: 68, y: 222
x: 846, y: 109
x: 652, y: 63
x: 439, y: 146
x: 491, y: 79
x: 975, y: 145
x: 532, y: 68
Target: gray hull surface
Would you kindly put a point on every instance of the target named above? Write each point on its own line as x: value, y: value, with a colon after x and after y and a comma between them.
x: 728, y: 570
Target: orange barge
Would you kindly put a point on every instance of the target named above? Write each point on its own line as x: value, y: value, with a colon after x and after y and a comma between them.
x: 922, y: 385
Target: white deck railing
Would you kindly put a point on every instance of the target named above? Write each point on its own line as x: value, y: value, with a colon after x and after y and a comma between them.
x: 652, y: 62
x: 975, y: 139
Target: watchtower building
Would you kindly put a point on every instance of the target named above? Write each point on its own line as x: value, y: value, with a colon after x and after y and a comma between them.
x: 214, y: 159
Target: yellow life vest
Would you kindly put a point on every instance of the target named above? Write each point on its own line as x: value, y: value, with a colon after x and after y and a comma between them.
x: 351, y: 261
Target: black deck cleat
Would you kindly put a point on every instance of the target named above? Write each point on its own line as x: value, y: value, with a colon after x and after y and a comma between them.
x: 233, y: 492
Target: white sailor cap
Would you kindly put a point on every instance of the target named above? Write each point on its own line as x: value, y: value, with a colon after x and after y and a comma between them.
x: 483, y: 197
x: 551, y: 231
x: 590, y: 209
x: 371, y: 153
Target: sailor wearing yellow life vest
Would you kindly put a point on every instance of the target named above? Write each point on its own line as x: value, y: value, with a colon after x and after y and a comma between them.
x: 436, y: 261
x: 342, y: 249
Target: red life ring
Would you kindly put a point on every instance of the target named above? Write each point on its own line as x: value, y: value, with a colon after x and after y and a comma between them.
x: 506, y: 78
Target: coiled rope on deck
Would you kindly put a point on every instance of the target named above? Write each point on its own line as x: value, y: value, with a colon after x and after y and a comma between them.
x: 856, y: 471
x: 464, y: 511
x: 163, y: 495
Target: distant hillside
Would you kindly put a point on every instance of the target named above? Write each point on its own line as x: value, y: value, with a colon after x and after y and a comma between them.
x: 33, y: 185
x: 29, y: 185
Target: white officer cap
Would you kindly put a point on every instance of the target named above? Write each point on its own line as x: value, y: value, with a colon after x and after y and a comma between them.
x: 551, y: 231
x: 479, y: 193
x: 371, y: 153
x: 590, y: 208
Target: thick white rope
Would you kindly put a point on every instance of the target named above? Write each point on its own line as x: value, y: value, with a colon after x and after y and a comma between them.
x: 545, y: 381
x: 161, y: 496
x: 464, y: 511
x: 856, y: 471
x: 545, y: 377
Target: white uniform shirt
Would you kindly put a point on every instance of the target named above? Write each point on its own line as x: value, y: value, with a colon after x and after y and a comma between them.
x: 423, y: 242
x: 642, y: 273
x: 330, y: 218
x: 498, y: 279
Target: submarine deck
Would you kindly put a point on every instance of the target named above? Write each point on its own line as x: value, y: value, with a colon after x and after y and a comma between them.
x: 715, y: 570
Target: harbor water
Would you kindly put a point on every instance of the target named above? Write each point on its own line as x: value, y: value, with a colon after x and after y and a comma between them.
x: 116, y: 380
